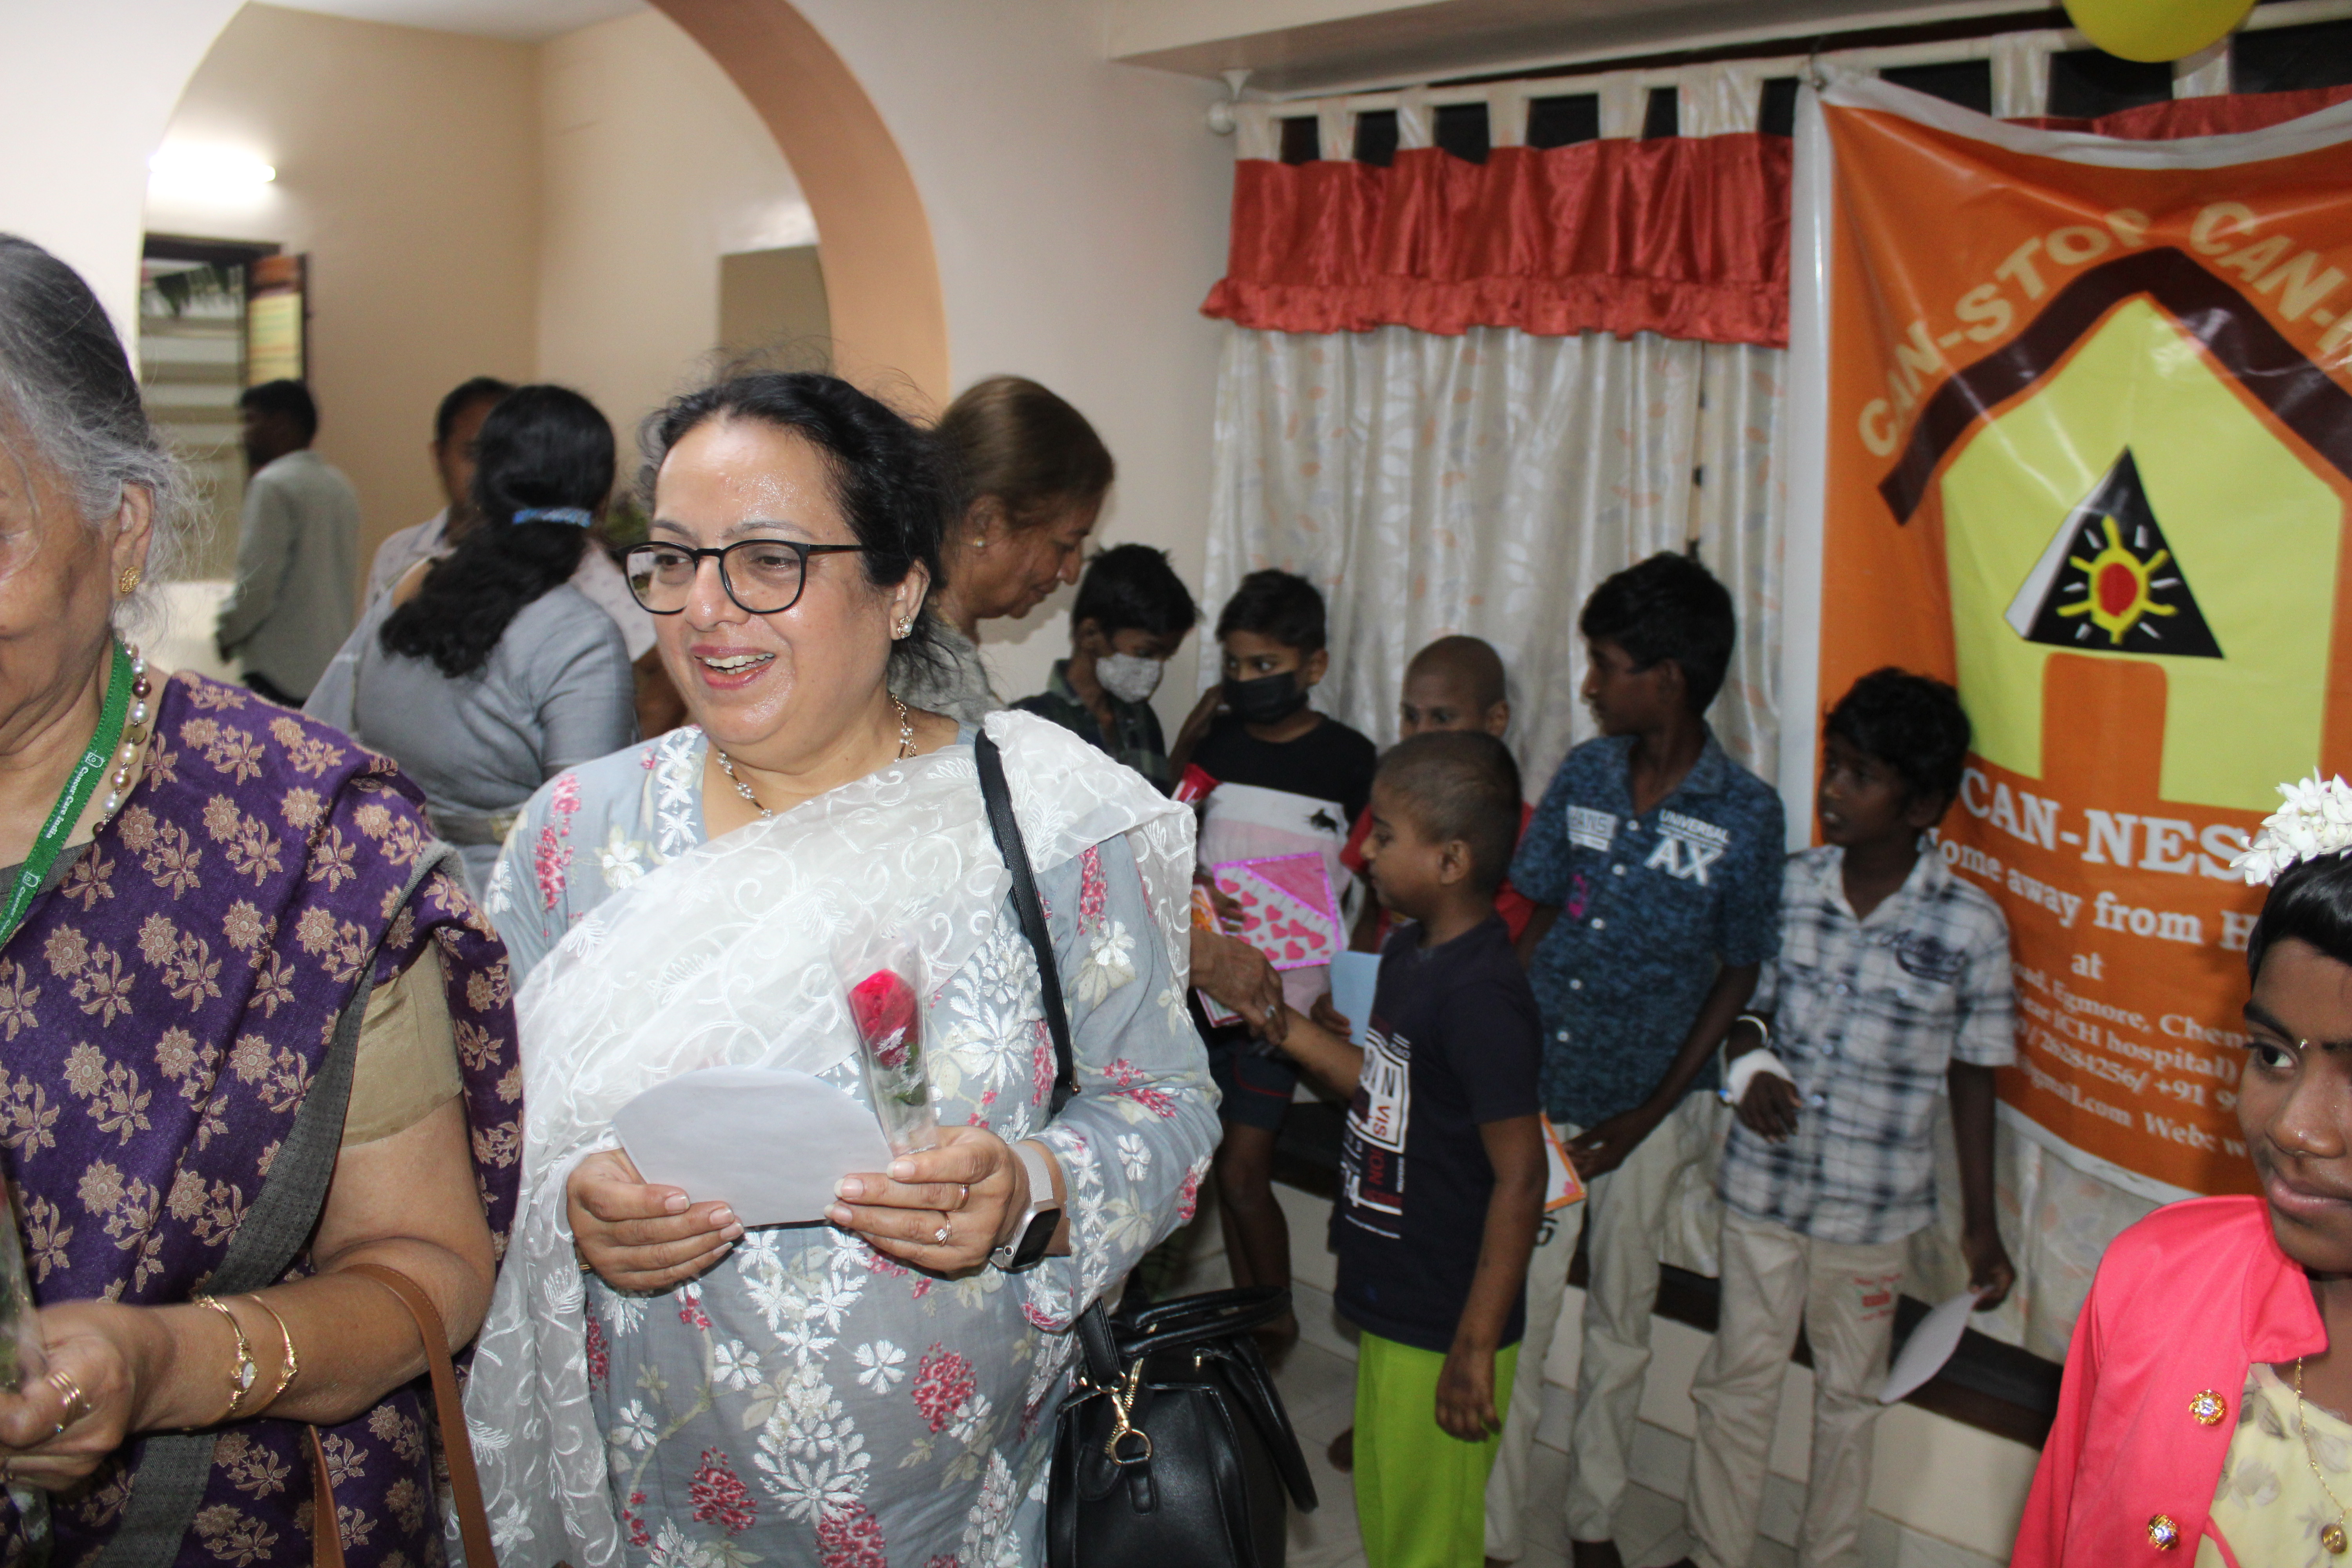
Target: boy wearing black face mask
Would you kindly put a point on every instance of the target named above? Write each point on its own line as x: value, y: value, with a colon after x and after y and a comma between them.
x: 1132, y: 613
x: 1289, y: 780
x: 1255, y: 727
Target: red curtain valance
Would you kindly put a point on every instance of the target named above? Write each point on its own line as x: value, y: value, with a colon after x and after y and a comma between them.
x: 1685, y: 236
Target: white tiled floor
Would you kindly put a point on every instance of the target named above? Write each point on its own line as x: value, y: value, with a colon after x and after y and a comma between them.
x: 1317, y: 1384
x: 1318, y: 1389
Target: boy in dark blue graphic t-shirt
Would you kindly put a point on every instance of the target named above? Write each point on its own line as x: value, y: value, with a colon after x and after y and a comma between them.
x: 1443, y: 1161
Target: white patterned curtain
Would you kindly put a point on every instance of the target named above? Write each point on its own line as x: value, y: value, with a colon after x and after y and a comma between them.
x: 1485, y: 484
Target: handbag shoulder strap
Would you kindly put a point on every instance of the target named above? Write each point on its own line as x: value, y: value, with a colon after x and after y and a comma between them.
x: 1095, y: 1343
x: 998, y: 797
x: 465, y: 1485
x: 175, y: 1468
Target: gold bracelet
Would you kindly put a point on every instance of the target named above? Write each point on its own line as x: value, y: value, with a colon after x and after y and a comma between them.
x: 293, y: 1361
x: 245, y: 1373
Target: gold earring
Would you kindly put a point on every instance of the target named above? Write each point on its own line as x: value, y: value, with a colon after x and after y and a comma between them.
x: 128, y: 581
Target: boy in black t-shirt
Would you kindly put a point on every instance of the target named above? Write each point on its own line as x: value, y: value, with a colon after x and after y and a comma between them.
x: 1443, y: 1164
x: 1255, y: 727
x: 1289, y: 780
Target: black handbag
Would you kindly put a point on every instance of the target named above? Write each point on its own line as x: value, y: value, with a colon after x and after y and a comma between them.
x: 1174, y: 1447
x: 1173, y: 1450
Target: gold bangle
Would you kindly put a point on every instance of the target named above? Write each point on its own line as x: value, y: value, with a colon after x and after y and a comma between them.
x: 293, y: 1361
x: 245, y: 1373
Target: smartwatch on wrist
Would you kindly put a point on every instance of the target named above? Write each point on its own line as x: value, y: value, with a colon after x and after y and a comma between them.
x: 1034, y: 1233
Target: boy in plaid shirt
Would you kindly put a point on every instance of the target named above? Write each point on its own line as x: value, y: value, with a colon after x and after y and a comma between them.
x: 1892, y: 982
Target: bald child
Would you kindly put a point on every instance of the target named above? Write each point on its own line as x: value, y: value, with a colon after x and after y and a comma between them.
x: 1455, y: 683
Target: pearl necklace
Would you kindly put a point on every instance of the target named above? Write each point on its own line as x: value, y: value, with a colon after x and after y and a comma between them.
x: 134, y: 736
x: 727, y: 763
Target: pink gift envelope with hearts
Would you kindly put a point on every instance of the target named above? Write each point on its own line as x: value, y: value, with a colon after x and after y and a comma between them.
x: 1288, y: 911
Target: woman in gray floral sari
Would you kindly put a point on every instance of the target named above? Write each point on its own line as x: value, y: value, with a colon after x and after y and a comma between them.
x: 879, y: 1389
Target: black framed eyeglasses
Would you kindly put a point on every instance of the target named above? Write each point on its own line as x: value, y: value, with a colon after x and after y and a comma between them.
x: 764, y: 576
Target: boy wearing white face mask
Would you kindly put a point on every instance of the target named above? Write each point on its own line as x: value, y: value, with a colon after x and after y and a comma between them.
x: 1131, y: 615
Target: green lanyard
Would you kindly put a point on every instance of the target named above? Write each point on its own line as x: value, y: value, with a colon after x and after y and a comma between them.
x: 73, y: 800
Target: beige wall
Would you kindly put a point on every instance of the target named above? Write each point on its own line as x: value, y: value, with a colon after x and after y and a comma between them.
x: 408, y: 171
x: 654, y: 167
x: 1079, y: 212
x: 82, y: 117
x: 772, y: 306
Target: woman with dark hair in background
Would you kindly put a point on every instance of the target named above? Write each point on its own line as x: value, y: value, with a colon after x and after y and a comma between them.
x: 485, y: 673
x: 2205, y: 1405
x: 1032, y: 475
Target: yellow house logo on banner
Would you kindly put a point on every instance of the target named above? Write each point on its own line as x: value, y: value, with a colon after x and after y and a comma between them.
x: 2090, y: 458
x: 2139, y: 407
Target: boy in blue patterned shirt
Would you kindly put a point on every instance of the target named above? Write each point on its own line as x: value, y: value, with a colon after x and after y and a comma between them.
x: 1892, y: 984
x: 1656, y: 861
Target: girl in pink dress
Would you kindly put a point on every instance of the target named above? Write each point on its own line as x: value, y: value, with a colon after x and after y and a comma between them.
x: 2204, y: 1405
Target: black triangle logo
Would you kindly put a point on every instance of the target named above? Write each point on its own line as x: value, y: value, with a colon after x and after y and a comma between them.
x: 2109, y: 582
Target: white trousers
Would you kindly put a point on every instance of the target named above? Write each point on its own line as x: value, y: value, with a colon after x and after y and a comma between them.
x: 1626, y: 1210
x: 1845, y: 1295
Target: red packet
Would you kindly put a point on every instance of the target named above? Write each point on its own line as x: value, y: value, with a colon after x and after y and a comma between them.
x: 1194, y: 786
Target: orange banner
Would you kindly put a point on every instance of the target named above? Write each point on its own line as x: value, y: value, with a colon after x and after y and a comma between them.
x: 2089, y: 456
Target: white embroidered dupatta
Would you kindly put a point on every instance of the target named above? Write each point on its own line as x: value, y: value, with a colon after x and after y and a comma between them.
x: 726, y: 956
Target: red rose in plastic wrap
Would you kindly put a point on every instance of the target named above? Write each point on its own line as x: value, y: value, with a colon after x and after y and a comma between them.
x: 886, y: 1007
x: 882, y: 1004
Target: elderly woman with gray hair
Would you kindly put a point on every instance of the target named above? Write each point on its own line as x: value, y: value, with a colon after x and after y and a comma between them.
x: 234, y: 982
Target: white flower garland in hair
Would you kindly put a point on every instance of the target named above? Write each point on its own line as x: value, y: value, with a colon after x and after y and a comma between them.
x: 2317, y: 820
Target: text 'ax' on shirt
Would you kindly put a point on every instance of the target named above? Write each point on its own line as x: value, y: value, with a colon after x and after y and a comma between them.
x: 1650, y: 908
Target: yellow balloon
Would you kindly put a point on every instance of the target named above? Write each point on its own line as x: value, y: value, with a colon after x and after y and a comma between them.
x: 2151, y: 30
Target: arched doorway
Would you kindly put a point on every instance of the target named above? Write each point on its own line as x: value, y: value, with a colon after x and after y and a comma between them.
x: 466, y: 132
x: 882, y: 274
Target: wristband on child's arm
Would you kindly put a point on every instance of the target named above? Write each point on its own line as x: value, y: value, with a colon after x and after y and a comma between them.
x: 1744, y: 1068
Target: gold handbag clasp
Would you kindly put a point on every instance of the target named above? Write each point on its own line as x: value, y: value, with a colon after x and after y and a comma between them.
x: 1122, y: 1401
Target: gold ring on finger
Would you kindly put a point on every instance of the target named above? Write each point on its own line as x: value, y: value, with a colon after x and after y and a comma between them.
x: 940, y: 1238
x: 963, y: 1194
x: 77, y: 1402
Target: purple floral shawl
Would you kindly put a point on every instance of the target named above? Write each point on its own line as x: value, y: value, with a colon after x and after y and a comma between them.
x: 161, y: 1015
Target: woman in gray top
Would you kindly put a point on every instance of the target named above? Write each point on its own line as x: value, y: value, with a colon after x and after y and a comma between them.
x: 1034, y: 475
x: 485, y: 674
